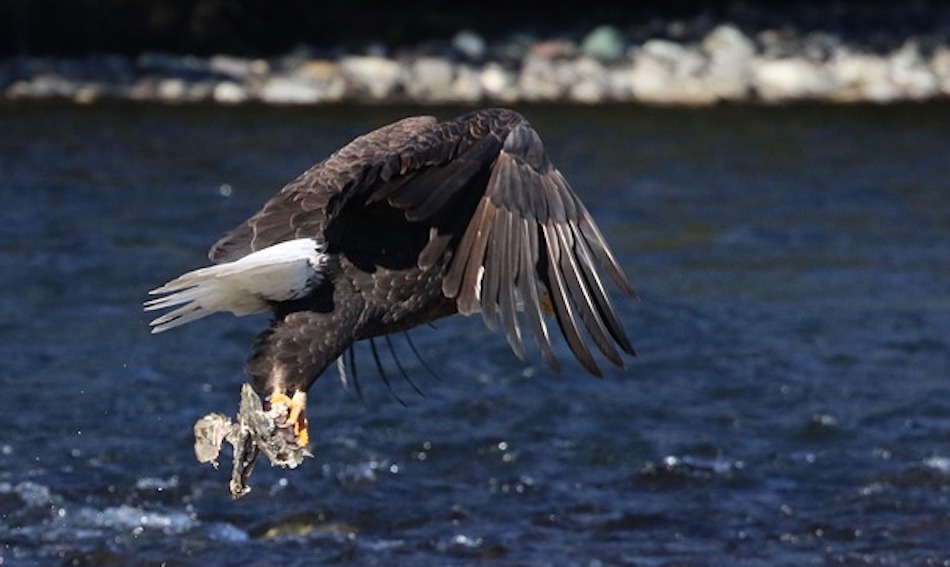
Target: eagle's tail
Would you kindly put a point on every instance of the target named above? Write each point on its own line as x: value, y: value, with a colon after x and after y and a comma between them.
x: 282, y: 272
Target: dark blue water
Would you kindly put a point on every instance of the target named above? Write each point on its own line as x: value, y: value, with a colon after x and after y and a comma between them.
x: 790, y: 404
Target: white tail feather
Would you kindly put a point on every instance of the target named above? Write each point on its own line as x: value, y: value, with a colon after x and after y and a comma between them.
x: 285, y: 271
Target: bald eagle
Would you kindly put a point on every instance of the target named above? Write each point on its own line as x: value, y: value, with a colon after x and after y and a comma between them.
x: 412, y: 222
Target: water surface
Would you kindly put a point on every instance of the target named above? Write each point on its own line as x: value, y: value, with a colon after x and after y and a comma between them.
x: 790, y: 404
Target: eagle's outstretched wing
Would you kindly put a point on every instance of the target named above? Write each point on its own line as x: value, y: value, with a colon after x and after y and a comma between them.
x: 515, y: 234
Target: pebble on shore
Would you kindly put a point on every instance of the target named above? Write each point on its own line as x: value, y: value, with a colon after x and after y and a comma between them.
x: 725, y: 65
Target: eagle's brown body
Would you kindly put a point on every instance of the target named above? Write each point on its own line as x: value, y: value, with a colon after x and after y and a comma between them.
x: 417, y: 221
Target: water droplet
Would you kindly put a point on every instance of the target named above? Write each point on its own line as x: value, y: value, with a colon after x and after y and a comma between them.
x: 466, y: 541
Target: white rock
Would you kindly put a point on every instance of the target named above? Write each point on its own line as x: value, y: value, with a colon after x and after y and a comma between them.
x: 538, y: 80
x: 498, y: 83
x: 378, y: 76
x: 910, y: 74
x: 229, y: 92
x: 860, y: 77
x: 664, y: 72
x: 590, y: 81
x: 678, y: 59
x: 779, y: 80
x: 289, y: 89
x: 88, y: 93
x: 726, y: 44
x: 729, y: 52
x: 171, y: 90
x: 324, y: 75
x: 621, y: 82
x: 467, y: 86
x: 940, y: 63
x: 430, y: 79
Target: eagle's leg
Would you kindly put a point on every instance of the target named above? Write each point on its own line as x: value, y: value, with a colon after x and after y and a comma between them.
x: 296, y: 413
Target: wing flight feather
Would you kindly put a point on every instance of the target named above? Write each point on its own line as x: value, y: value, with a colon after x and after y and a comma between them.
x: 504, y: 218
x: 531, y: 236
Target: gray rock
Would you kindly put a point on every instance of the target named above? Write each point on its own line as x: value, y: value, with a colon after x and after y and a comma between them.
x: 142, y: 89
x: 237, y: 68
x: 819, y: 46
x: 779, y: 65
x: 42, y: 86
x: 187, y: 66
x: 553, y: 49
x: 469, y: 44
x: 605, y: 43
x: 778, y: 44
x: 200, y: 91
x: 513, y: 50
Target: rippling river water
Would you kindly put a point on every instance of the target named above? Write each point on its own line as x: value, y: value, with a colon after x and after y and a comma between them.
x: 790, y: 404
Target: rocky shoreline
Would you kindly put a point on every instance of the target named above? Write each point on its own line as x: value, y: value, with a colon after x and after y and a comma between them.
x: 723, y: 65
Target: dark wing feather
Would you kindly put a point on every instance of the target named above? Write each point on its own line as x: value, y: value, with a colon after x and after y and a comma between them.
x: 387, y: 156
x: 527, y: 283
x: 509, y: 219
x: 531, y: 232
x: 416, y: 164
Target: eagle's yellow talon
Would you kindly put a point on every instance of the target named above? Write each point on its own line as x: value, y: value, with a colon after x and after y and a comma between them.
x: 279, y: 397
x: 295, y: 413
x: 303, y: 436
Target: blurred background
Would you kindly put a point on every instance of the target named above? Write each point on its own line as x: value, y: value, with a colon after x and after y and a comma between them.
x: 679, y: 52
x: 771, y: 175
x: 256, y: 27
